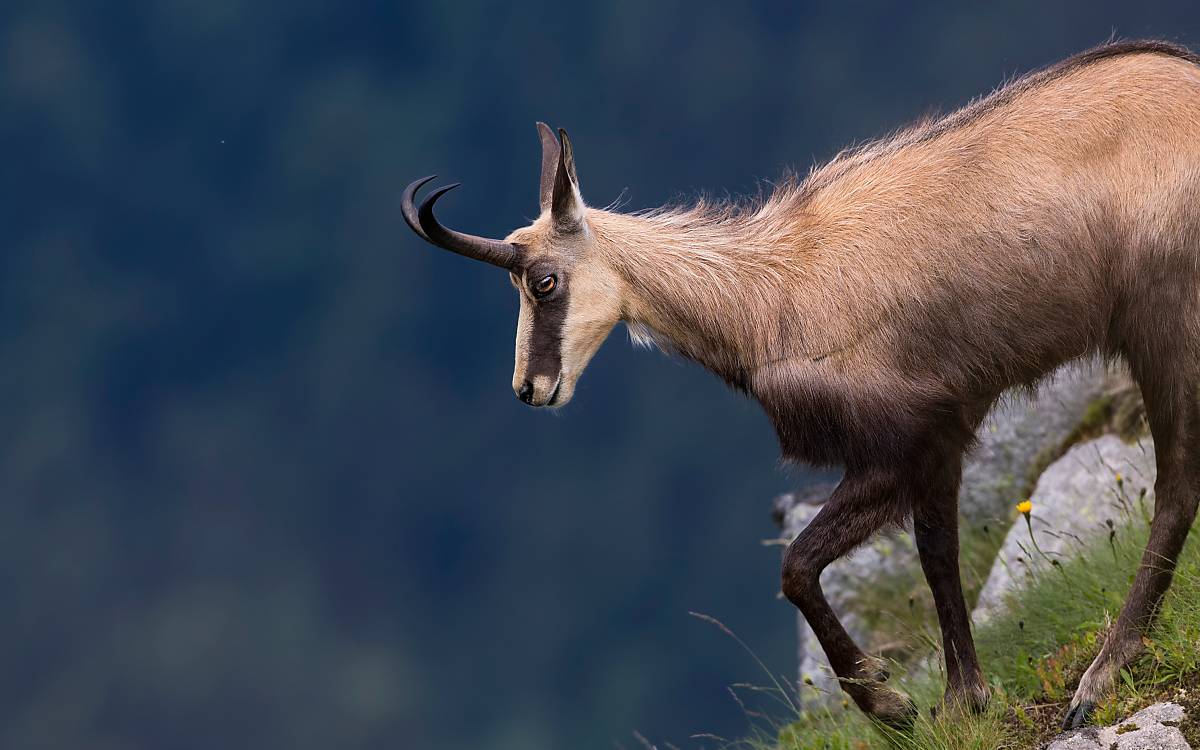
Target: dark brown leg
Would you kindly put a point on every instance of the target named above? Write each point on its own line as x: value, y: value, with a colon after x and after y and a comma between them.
x: 862, y: 503
x: 935, y: 526
x: 1175, y: 423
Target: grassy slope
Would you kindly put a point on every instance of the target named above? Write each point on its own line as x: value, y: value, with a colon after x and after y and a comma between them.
x: 1034, y: 655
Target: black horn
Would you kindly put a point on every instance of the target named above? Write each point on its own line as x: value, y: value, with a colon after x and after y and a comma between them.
x: 422, y: 221
x: 409, y: 210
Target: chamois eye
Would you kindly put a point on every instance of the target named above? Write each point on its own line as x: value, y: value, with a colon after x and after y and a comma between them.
x: 545, y: 286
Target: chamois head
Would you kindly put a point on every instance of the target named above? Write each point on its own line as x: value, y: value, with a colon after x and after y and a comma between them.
x: 570, y: 297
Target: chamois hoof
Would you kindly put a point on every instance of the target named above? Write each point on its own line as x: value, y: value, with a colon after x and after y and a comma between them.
x: 892, y: 709
x: 1078, y: 715
x: 874, y: 669
x: 974, y: 699
x: 1100, y: 678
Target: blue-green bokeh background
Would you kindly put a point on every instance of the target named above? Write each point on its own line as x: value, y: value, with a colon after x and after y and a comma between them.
x: 263, y: 483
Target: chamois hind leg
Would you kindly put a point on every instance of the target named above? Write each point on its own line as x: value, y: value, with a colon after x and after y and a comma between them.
x: 1174, y: 414
x: 861, y: 504
x: 935, y: 526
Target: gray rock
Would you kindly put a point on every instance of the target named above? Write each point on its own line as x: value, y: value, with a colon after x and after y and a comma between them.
x: 1018, y: 432
x: 1072, y: 502
x: 1144, y: 730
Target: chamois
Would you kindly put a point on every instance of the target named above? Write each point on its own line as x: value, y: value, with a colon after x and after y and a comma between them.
x: 878, y: 308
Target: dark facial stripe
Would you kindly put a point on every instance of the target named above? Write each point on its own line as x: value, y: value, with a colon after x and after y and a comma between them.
x: 545, y: 338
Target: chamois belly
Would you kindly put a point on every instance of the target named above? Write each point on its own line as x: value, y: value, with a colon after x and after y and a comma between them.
x: 826, y: 416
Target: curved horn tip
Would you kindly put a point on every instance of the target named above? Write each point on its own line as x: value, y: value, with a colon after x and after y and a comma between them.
x: 496, y: 252
x: 409, y: 211
x: 425, y: 210
x: 433, y: 196
x: 411, y: 190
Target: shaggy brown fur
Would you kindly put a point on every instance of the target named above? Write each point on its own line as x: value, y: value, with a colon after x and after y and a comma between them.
x: 880, y: 306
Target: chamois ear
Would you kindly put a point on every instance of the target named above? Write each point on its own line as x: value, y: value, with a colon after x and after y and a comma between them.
x: 566, y: 203
x: 550, y: 155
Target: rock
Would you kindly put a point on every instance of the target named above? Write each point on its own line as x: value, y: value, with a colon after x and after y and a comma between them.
x: 1145, y: 730
x: 1073, y: 500
x: 812, y: 496
x: 1019, y: 433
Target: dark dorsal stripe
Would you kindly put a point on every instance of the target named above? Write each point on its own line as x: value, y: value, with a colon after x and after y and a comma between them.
x: 1038, y: 78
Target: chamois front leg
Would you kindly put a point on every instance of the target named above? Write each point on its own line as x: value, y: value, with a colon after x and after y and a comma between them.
x: 864, y: 501
x: 935, y: 526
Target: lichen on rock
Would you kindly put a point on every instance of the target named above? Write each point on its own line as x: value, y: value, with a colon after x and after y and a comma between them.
x: 1152, y: 728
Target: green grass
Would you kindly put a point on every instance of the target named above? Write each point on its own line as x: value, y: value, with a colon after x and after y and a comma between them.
x: 897, y: 609
x: 1033, y: 656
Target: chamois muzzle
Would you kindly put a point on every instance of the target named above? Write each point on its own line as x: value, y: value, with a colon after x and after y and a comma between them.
x: 422, y: 221
x: 525, y: 393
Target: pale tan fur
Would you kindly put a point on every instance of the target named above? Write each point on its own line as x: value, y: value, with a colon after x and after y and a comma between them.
x: 1023, y: 212
x: 877, y: 308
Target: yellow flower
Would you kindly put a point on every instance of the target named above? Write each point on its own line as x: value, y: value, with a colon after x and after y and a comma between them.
x: 1025, y: 507
x: 1120, y: 478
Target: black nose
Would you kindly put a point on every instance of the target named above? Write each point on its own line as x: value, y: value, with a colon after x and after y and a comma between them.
x: 526, y: 392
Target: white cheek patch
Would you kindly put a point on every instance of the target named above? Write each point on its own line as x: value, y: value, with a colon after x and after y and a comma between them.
x: 591, y: 314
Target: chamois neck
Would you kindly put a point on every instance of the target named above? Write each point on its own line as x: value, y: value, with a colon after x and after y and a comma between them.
x: 722, y: 286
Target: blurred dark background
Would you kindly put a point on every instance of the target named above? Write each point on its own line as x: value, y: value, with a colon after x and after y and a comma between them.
x: 264, y: 483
